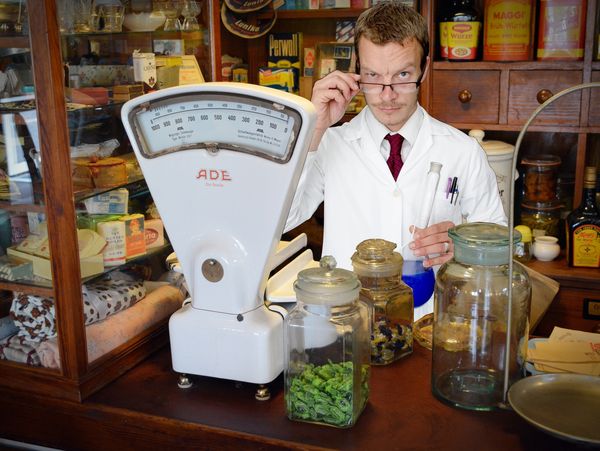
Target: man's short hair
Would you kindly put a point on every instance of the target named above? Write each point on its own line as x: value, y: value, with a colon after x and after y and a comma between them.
x: 392, y: 21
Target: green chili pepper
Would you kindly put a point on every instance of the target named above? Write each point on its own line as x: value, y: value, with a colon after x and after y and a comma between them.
x: 324, y: 394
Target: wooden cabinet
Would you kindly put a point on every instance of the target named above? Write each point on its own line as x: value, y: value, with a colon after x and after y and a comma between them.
x: 42, y: 128
x: 528, y: 89
x: 499, y: 98
x: 469, y: 95
x: 594, y: 115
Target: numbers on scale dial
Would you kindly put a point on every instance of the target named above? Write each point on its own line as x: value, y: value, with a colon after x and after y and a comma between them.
x: 244, y: 124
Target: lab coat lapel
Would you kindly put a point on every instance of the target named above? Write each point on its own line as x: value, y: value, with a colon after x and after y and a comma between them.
x: 370, y: 154
x: 420, y: 150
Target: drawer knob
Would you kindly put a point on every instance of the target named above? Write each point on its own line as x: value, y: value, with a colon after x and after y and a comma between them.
x: 543, y: 95
x: 465, y: 96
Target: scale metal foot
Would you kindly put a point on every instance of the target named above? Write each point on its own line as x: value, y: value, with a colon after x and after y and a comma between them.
x: 184, y: 381
x: 262, y: 393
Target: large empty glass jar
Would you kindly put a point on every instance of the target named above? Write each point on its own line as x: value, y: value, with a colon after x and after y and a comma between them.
x: 471, y: 319
x: 326, y: 339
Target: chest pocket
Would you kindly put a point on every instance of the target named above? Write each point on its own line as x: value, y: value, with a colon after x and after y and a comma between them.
x: 445, y: 208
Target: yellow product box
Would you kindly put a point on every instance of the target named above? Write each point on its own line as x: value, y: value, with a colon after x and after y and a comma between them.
x: 276, y: 78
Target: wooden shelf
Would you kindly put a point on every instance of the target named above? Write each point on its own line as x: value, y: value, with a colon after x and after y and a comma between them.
x: 515, y: 65
x: 21, y: 42
x: 532, y: 128
x: 336, y: 13
x: 38, y: 287
x: 559, y: 270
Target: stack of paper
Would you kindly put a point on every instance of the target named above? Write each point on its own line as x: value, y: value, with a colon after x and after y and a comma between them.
x: 567, y: 351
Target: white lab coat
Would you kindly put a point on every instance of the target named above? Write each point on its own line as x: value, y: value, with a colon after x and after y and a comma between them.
x: 363, y: 201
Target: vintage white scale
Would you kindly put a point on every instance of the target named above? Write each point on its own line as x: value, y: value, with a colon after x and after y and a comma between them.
x: 222, y: 162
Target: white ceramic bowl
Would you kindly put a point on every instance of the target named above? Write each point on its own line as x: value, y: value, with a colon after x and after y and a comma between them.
x: 546, y: 248
x: 144, y: 21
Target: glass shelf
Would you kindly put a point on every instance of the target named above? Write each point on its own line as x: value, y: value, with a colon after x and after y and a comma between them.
x: 166, y: 248
x: 136, y: 187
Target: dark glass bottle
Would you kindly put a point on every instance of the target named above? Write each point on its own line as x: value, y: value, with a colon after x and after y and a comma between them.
x: 444, y: 18
x: 463, y: 30
x: 583, y: 226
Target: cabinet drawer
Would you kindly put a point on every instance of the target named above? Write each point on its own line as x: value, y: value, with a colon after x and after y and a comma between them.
x: 463, y: 96
x: 526, y: 93
x: 594, y: 116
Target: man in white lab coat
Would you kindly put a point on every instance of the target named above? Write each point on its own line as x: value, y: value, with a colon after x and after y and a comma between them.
x: 347, y: 166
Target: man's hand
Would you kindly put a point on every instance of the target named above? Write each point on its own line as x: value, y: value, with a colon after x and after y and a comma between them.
x: 331, y: 96
x: 433, y: 241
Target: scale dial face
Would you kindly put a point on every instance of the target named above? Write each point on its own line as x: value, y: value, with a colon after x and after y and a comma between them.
x: 214, y: 121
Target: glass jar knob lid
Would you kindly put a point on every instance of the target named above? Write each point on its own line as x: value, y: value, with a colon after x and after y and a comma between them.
x: 376, y: 256
x: 327, y: 284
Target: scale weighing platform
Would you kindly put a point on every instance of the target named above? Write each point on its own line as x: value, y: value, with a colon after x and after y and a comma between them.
x: 222, y: 162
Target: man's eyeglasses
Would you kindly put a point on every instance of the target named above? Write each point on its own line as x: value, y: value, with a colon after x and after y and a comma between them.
x: 398, y: 88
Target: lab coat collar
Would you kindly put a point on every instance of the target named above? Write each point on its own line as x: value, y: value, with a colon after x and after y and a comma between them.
x: 356, y: 131
x: 359, y: 124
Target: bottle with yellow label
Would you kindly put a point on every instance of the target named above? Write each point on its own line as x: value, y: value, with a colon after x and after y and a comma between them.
x: 583, y: 226
x: 444, y: 15
x: 463, y: 30
x: 507, y: 34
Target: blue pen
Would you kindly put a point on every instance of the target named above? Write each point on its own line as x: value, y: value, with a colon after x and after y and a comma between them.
x: 448, y: 187
x: 453, y: 188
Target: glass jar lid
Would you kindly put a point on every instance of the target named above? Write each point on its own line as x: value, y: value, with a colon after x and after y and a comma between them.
x: 327, y: 285
x: 376, y: 257
x: 552, y: 207
x: 481, y: 243
x: 541, y: 162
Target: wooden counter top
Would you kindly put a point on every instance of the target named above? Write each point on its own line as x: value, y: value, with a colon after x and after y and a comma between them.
x: 144, y: 409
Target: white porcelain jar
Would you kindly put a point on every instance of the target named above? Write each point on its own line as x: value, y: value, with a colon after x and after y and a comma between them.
x: 499, y: 155
x: 546, y: 248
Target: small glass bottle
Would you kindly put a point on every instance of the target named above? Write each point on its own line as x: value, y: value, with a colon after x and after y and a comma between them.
x: 326, y: 342
x: 390, y: 300
x: 583, y: 226
x: 471, y: 321
x: 523, y: 248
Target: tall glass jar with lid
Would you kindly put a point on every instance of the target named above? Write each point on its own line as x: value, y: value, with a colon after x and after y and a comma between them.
x: 379, y: 270
x: 471, y: 322
x: 326, y: 342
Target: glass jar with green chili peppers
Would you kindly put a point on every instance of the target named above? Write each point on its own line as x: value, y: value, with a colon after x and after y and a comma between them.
x: 326, y: 342
x: 541, y: 217
x: 379, y: 270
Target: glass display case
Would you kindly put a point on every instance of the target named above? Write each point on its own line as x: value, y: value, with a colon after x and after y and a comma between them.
x: 86, y: 291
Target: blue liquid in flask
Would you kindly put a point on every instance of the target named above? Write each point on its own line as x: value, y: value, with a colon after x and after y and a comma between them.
x: 420, y: 279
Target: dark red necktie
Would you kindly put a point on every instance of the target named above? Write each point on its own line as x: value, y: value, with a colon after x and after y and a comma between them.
x: 394, y: 161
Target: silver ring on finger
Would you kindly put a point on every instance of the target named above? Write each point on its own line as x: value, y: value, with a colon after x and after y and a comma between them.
x: 446, y: 247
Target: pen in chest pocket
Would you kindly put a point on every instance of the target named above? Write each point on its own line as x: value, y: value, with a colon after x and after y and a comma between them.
x: 454, y: 191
